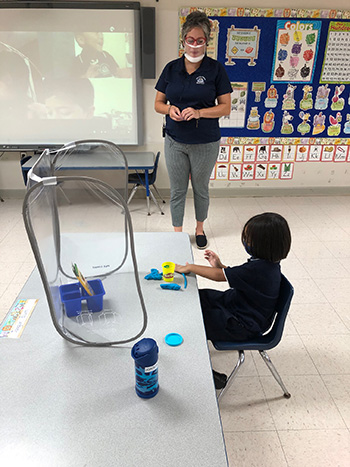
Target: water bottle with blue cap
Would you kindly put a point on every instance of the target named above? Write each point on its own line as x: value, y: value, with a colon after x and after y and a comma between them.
x: 145, y: 354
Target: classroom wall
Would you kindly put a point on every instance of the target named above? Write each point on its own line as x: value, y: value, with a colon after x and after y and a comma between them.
x: 315, y: 177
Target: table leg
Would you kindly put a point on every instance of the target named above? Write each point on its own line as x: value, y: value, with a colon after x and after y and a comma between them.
x: 147, y: 191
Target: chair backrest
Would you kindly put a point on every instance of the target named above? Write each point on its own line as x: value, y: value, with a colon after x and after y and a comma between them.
x: 153, y: 175
x: 24, y: 172
x: 274, y: 335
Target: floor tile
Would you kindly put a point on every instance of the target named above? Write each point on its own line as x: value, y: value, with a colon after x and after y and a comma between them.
x: 292, y: 268
x: 307, y: 250
x: 289, y: 328
x: 339, y: 388
x: 306, y: 291
x: 330, y: 353
x: 331, y: 233
x: 334, y: 289
x: 244, y: 408
x: 256, y: 448
x: 338, y: 249
x: 345, y: 262
x: 310, y: 406
x: 316, y: 448
x: 327, y: 322
x: 321, y: 268
x: 343, y: 311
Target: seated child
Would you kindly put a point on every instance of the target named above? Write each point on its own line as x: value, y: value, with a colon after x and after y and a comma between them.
x: 247, y: 308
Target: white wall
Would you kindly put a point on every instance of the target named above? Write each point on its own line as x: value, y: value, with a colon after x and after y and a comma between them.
x: 315, y: 174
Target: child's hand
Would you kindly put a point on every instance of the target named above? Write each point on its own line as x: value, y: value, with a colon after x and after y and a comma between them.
x: 213, y: 259
x: 182, y: 269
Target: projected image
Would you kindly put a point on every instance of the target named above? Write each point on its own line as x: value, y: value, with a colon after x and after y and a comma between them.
x: 94, y: 61
x: 62, y: 86
x: 68, y: 99
x: 18, y: 83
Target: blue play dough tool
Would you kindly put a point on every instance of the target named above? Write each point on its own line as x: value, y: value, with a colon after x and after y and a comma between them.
x: 173, y: 339
x: 170, y: 286
x: 185, y: 280
x: 154, y: 275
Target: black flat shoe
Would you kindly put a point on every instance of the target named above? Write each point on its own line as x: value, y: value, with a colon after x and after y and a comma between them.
x: 201, y: 241
x: 220, y: 380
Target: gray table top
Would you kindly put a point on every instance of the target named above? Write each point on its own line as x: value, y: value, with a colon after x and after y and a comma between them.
x: 141, y: 160
x: 67, y: 405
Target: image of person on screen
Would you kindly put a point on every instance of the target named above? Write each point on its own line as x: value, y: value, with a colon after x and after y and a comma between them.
x: 193, y: 92
x: 93, y: 61
x: 15, y: 90
x: 69, y: 99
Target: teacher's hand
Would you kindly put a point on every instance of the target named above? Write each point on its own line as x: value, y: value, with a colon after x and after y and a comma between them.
x: 189, y: 113
x: 175, y: 114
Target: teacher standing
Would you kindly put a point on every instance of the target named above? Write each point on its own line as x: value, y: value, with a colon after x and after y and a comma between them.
x: 193, y: 92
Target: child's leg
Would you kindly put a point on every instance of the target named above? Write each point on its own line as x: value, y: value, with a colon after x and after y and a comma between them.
x: 215, y: 318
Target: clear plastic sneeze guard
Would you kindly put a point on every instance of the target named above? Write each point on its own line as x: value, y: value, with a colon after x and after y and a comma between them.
x: 85, y: 222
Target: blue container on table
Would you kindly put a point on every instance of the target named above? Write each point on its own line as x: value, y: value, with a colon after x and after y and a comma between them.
x: 145, y: 354
x: 73, y: 294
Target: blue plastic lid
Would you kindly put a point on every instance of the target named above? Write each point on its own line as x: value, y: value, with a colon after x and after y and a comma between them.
x: 173, y: 339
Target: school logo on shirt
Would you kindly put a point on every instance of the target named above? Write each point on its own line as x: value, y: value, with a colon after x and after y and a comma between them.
x: 200, y: 80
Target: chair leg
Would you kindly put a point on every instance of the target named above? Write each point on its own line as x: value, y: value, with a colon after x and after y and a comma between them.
x: 155, y: 201
x: 234, y: 372
x: 148, y: 208
x: 158, y: 193
x: 133, y: 191
x: 274, y: 372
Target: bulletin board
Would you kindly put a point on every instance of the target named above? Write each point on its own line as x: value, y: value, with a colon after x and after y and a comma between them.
x: 290, y: 76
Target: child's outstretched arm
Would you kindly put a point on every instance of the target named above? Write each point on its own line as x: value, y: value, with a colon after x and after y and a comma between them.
x: 212, y: 273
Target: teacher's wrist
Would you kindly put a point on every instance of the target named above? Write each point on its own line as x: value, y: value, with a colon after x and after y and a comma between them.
x: 198, y: 114
x: 168, y: 111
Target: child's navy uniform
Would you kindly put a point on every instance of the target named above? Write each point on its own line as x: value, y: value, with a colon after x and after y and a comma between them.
x: 248, y: 307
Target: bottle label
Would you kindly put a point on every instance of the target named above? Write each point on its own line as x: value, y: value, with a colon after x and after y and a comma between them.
x: 148, y: 369
x: 147, y: 381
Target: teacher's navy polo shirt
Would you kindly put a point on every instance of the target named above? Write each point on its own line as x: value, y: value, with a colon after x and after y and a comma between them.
x: 198, y: 90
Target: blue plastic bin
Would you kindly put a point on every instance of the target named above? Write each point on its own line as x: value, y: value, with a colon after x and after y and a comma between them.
x: 73, y: 294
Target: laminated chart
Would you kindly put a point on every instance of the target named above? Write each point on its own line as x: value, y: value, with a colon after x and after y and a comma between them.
x: 242, y: 44
x: 295, y: 51
x: 236, y: 118
x: 336, y: 65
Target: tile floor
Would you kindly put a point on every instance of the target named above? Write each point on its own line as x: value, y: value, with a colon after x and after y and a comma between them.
x: 261, y: 427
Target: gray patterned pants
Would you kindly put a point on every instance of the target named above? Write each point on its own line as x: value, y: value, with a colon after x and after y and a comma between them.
x: 184, y: 161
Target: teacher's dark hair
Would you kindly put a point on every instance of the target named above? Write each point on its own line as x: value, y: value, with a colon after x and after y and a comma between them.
x: 196, y: 19
x: 267, y: 236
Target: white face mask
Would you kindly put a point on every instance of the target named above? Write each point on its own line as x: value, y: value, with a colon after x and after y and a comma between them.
x: 194, y: 46
x: 194, y: 59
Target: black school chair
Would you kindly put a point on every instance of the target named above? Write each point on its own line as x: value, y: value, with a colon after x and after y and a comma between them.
x: 25, y: 171
x: 264, y: 342
x: 139, y: 180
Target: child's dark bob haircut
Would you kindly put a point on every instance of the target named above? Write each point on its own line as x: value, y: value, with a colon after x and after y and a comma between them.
x: 267, y: 236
